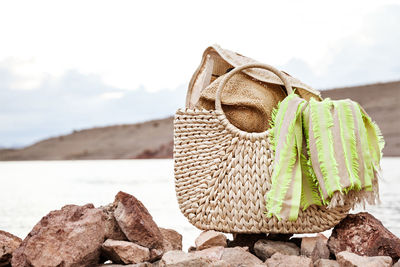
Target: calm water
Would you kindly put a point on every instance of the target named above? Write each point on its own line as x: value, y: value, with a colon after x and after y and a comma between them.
x: 29, y: 190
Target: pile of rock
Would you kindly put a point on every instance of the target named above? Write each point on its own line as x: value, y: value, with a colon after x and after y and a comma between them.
x: 8, y: 244
x: 359, y: 240
x: 124, y: 233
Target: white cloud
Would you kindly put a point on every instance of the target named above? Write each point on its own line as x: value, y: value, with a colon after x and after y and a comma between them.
x: 112, y: 95
x: 158, y: 43
x: 75, y: 64
x: 370, y: 55
x: 75, y: 101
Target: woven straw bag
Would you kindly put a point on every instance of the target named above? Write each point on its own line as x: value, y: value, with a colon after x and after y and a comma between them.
x: 222, y: 174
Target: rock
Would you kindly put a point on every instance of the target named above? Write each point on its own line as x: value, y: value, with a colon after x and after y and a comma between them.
x: 326, y: 263
x: 264, y: 249
x: 136, y: 222
x: 315, y: 247
x: 308, y: 244
x: 191, y: 248
x: 8, y: 243
x: 239, y: 257
x: 112, y: 229
x: 172, y: 239
x: 320, y: 251
x: 221, y: 263
x: 364, y: 235
x: 71, y: 236
x: 209, y: 239
x: 178, y: 258
x: 214, y: 253
x: 142, y: 264
x: 156, y: 254
x: 397, y: 264
x: 125, y: 252
x: 348, y: 259
x: 281, y: 260
x: 245, y: 240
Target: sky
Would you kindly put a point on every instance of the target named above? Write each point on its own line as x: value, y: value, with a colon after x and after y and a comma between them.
x: 67, y: 65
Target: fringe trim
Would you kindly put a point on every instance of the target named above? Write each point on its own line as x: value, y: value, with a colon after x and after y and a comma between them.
x: 352, y: 196
x: 354, y: 168
x: 355, y: 198
x: 274, y: 205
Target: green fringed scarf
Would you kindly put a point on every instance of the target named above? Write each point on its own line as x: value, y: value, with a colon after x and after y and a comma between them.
x: 323, y: 151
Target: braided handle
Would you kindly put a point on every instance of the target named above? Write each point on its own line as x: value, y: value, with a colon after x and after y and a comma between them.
x: 248, y: 66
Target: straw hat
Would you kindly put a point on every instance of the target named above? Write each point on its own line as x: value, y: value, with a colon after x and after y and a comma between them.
x: 246, y: 102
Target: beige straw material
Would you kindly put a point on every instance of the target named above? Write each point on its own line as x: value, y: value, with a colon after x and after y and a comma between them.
x: 247, y: 103
x: 216, y: 61
x: 222, y: 174
x: 222, y: 177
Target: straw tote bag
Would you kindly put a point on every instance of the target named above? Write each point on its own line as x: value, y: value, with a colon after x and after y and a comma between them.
x: 222, y: 174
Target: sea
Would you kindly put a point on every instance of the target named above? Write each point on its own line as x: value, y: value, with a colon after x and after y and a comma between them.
x: 31, y: 189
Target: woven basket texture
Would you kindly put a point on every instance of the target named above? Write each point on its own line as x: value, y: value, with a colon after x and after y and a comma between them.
x: 222, y: 177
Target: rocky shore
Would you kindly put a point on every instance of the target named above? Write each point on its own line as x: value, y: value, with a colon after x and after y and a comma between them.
x: 123, y: 233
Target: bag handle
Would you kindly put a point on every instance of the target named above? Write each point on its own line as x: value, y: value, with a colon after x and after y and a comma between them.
x: 248, y: 66
x: 230, y: 74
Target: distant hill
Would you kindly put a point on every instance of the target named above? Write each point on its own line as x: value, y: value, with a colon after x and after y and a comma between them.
x: 154, y: 139
x: 382, y: 103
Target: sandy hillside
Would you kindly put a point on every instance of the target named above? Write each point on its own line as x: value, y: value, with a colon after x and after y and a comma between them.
x: 154, y: 139
x: 382, y: 102
x: 151, y: 139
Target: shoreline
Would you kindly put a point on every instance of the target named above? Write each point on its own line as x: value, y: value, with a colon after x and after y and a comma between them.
x: 154, y: 139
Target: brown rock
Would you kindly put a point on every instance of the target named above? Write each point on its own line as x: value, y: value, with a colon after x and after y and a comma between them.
x: 213, y: 253
x: 245, y: 240
x: 8, y: 243
x: 221, y: 263
x: 112, y: 229
x: 326, y: 263
x: 191, y: 249
x: 71, y: 236
x: 315, y: 247
x: 172, y: 239
x: 321, y: 251
x: 264, y: 249
x: 209, y: 239
x: 156, y: 254
x: 348, y: 259
x: 308, y: 244
x: 142, y: 264
x: 125, y: 252
x: 239, y: 257
x: 136, y: 222
x: 178, y: 258
x: 281, y: 260
x: 364, y: 235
